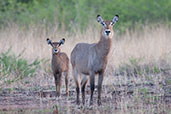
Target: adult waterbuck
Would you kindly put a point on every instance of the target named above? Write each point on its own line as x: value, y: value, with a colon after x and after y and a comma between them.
x: 60, y: 64
x: 91, y: 59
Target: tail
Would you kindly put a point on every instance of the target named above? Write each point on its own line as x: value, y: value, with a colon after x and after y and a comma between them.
x: 73, y: 58
x: 74, y: 54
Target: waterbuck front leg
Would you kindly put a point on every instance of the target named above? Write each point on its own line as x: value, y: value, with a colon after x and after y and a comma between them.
x: 100, y: 80
x: 58, y: 83
x: 92, y: 86
x: 66, y: 81
x: 78, y: 93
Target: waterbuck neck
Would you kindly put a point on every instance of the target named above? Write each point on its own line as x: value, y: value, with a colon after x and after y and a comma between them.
x: 104, y: 46
x: 55, y: 55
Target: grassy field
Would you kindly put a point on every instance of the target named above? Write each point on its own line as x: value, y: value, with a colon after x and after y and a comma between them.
x: 137, y: 78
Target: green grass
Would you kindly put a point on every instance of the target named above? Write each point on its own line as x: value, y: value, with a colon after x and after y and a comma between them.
x: 135, y: 67
x: 16, y: 65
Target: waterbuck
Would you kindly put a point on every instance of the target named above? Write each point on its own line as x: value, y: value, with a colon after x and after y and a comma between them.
x: 60, y: 64
x: 91, y: 59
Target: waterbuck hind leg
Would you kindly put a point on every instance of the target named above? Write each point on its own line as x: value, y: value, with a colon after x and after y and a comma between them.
x: 78, y: 94
x: 100, y: 80
x: 66, y: 82
x: 92, y: 86
x: 83, y: 85
x: 58, y: 83
x: 75, y: 76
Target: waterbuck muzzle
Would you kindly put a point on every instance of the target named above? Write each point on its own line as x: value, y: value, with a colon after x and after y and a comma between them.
x: 55, y: 50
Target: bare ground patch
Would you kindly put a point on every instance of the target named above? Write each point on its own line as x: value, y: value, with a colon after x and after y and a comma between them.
x: 123, y: 95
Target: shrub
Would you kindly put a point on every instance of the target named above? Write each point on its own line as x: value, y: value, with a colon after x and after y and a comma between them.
x: 79, y: 13
x: 10, y: 64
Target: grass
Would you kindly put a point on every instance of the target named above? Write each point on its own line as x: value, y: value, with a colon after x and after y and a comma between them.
x: 14, y: 68
x: 139, y: 64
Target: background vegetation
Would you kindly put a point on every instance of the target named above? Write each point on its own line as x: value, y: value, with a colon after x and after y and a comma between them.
x: 138, y: 74
x: 78, y: 13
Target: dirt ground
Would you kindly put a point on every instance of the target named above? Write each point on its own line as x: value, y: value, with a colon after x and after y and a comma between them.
x: 142, y: 97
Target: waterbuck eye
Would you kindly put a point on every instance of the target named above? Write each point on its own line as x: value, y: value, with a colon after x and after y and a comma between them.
x: 111, y: 23
x: 103, y: 24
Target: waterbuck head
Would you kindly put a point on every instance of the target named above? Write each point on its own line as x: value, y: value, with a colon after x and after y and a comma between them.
x: 107, y: 30
x: 55, y: 45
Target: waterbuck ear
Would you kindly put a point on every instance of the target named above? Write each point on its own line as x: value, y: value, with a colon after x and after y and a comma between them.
x: 62, y: 41
x: 48, y: 41
x: 115, y: 19
x: 100, y: 20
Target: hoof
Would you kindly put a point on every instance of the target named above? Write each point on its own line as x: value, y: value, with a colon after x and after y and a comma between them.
x: 78, y: 102
x: 83, y: 103
x: 58, y: 94
x: 91, y: 103
x: 67, y: 93
x: 99, y: 102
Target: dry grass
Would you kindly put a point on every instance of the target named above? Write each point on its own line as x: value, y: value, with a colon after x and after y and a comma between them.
x: 151, y: 45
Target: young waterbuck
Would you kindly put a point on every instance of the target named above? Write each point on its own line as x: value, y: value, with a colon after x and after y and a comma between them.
x: 91, y: 59
x: 60, y: 64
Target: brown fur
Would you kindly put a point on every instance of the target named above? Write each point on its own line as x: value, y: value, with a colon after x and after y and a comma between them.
x: 60, y: 64
x: 91, y: 59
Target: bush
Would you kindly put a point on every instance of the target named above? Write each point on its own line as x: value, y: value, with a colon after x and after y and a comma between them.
x: 10, y: 64
x: 79, y: 13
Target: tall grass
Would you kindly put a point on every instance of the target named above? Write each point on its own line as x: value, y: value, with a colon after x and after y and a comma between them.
x: 150, y: 44
x: 138, y: 62
x: 146, y: 48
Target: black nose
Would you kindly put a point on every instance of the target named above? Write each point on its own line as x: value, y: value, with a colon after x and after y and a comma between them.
x: 107, y: 32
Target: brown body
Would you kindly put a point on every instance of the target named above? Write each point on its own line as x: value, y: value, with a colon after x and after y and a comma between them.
x: 60, y: 66
x: 91, y: 59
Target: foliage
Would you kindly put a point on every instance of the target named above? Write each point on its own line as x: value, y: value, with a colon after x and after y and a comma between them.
x: 135, y: 68
x: 16, y: 65
x: 79, y: 13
